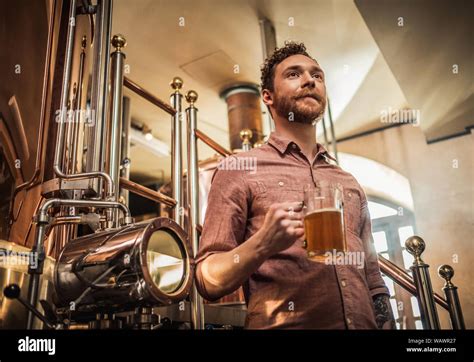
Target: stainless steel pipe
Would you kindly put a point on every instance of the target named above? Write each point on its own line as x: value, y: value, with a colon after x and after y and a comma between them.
x: 115, y: 139
x: 100, y: 83
x: 59, y: 151
x: 176, y: 150
x: 197, y: 308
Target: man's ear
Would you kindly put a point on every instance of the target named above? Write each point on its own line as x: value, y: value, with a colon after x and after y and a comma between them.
x: 267, y: 97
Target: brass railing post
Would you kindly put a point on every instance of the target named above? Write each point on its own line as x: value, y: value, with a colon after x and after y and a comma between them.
x: 176, y: 150
x: 245, y: 136
x: 115, y: 138
x: 421, y: 276
x: 197, y: 311
x: 451, y: 292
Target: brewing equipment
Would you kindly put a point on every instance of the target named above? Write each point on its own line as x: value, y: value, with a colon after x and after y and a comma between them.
x: 82, y: 278
x: 143, y: 264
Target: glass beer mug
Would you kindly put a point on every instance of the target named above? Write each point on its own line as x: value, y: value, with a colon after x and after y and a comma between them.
x: 323, y: 213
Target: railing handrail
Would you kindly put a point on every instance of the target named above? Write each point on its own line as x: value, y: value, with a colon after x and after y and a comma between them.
x: 146, y: 192
x: 138, y: 89
x: 402, y: 278
x: 213, y: 144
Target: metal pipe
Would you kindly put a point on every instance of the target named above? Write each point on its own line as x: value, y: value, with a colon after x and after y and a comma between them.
x: 77, y: 116
x: 76, y: 219
x: 71, y: 166
x: 115, y: 139
x: 35, y: 272
x: 99, y: 91
x: 451, y: 291
x: 147, y: 192
x: 125, y: 150
x: 134, y: 87
x: 73, y: 221
x: 333, y: 134
x: 176, y: 151
x: 213, y: 144
x: 43, y: 216
x: 63, y: 107
x: 68, y: 126
x: 268, y: 41
x: 197, y: 308
x: 429, y: 315
x: 402, y: 278
x: 59, y: 151
x: 326, y: 143
x: 63, y: 135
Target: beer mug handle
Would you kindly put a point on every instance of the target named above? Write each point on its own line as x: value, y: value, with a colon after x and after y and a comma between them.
x: 338, y: 197
x: 303, y: 211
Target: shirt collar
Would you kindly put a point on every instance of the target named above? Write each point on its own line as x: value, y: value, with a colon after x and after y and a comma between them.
x: 282, y: 144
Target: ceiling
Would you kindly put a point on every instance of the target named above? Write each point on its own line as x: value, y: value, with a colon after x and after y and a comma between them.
x: 202, y: 41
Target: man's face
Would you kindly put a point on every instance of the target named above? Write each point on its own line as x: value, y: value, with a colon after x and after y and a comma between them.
x: 299, y: 90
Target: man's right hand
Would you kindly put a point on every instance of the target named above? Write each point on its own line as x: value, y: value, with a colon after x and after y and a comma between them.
x: 222, y: 273
x: 282, y: 227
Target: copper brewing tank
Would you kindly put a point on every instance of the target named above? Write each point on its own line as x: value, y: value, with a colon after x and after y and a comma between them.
x: 244, y: 111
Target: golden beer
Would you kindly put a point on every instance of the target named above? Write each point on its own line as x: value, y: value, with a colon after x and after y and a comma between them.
x: 324, y: 230
x: 324, y: 220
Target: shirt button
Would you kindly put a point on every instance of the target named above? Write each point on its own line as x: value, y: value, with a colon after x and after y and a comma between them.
x: 343, y: 283
x: 293, y: 145
x: 348, y: 321
x: 281, y: 183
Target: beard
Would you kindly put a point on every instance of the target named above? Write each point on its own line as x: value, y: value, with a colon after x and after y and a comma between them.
x: 299, y: 110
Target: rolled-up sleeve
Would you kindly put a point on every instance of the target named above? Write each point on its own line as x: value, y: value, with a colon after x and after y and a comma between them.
x: 374, y: 278
x: 225, y: 219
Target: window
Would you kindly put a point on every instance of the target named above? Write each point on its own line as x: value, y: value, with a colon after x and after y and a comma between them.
x: 391, y: 226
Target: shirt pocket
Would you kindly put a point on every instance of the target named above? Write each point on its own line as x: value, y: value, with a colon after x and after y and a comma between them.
x: 279, y: 190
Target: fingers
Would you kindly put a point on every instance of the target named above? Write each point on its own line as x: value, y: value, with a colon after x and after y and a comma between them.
x: 287, y: 210
x: 290, y: 215
x: 292, y: 206
x: 296, y: 224
x: 296, y: 232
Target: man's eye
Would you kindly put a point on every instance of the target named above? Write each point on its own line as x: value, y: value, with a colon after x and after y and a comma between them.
x: 293, y: 74
x: 318, y: 76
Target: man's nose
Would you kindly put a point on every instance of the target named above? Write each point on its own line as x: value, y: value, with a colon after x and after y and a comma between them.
x: 307, y: 81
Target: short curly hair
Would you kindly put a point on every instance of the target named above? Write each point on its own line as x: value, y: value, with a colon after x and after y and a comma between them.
x: 279, y: 55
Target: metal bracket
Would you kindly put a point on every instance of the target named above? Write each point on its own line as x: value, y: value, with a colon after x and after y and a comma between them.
x: 57, y: 185
x: 86, y: 9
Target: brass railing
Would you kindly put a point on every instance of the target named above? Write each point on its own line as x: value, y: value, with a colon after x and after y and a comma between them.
x: 420, y: 286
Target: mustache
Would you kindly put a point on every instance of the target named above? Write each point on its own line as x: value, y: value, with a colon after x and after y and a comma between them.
x: 310, y: 94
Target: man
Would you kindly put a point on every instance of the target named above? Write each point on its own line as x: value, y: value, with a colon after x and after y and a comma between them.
x: 253, y: 231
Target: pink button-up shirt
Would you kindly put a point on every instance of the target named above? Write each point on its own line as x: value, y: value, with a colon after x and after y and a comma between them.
x: 288, y: 290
